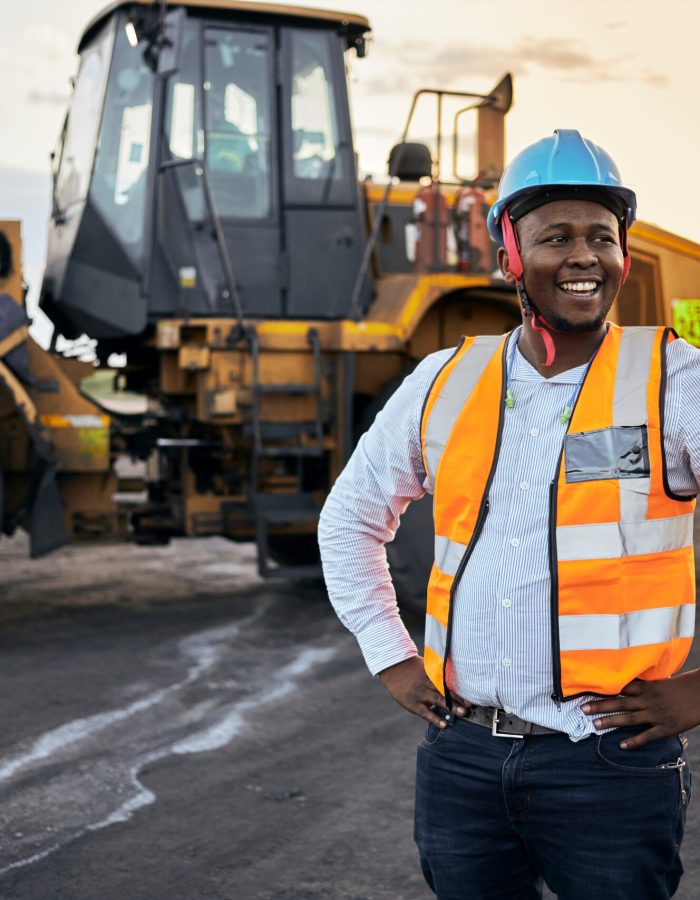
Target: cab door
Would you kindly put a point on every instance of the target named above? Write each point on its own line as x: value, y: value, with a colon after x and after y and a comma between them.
x: 322, y: 225
x: 240, y: 137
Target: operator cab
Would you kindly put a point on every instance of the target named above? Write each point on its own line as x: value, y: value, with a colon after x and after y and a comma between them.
x: 205, y: 168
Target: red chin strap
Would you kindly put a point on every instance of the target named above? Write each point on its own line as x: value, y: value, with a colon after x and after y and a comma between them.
x: 627, y: 262
x: 515, y: 266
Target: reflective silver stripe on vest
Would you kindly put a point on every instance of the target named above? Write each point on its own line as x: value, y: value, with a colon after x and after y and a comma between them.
x: 630, y: 408
x: 633, y: 629
x: 632, y: 376
x: 435, y: 636
x: 611, y: 540
x: 634, y: 499
x: 454, y: 394
x: 448, y: 554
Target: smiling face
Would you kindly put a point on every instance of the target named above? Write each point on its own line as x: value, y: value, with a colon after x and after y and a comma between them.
x: 572, y: 263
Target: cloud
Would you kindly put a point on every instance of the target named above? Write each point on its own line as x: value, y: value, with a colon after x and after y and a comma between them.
x: 451, y: 62
x: 656, y: 79
x: 565, y: 55
x: 454, y: 63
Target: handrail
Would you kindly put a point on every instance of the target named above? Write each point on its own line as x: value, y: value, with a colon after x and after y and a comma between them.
x: 486, y: 99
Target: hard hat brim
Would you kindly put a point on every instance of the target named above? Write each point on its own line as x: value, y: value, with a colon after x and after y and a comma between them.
x: 622, y: 202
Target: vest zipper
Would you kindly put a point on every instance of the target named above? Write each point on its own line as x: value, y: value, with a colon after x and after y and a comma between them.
x: 557, y: 694
x: 480, y: 519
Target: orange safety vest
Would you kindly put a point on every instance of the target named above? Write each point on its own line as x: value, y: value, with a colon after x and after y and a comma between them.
x: 621, y: 543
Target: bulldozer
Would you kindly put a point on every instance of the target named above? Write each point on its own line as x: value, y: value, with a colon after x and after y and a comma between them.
x: 210, y: 233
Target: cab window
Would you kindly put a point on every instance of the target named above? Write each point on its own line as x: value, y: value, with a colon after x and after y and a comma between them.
x: 318, y: 157
x: 237, y: 116
x: 183, y: 121
x: 119, y: 189
x: 74, y: 157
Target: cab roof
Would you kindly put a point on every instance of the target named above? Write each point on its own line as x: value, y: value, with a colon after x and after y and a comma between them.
x: 349, y: 24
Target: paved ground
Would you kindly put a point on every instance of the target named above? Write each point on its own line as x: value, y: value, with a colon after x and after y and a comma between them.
x: 175, y: 729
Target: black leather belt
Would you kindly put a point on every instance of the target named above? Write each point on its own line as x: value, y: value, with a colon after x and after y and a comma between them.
x: 503, y: 724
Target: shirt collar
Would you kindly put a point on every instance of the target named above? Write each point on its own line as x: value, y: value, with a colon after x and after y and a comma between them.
x: 523, y: 371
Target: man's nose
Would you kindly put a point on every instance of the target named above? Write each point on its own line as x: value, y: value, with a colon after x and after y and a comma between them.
x: 581, y: 254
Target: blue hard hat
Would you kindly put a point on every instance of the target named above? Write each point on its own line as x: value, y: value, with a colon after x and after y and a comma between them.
x: 562, y: 166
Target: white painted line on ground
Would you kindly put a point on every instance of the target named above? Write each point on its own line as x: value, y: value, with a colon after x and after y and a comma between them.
x: 204, y: 650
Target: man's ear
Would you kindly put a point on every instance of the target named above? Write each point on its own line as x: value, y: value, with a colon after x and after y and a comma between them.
x: 503, y: 264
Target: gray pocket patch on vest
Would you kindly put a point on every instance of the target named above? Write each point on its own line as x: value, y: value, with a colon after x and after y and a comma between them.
x: 621, y: 451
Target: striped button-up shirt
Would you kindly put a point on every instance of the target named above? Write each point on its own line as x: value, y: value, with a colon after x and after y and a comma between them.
x: 501, y: 652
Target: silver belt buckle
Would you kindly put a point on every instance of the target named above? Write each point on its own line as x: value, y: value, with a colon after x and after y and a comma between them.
x: 496, y: 733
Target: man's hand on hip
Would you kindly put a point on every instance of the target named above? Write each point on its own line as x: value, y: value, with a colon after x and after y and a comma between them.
x: 411, y: 688
x: 667, y: 707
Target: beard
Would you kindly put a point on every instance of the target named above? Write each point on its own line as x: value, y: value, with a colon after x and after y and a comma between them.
x: 568, y: 327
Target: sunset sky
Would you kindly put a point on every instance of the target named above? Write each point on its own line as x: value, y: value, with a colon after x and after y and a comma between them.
x: 624, y: 73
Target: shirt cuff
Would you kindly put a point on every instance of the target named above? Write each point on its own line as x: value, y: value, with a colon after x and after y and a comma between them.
x: 385, y: 644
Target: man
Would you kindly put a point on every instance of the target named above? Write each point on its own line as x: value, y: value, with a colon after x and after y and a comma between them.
x: 563, y: 460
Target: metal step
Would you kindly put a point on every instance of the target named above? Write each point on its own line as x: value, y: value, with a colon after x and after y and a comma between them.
x: 262, y: 430
x: 283, y: 509
x: 287, y: 388
x: 290, y: 450
x: 291, y: 573
x: 286, y: 517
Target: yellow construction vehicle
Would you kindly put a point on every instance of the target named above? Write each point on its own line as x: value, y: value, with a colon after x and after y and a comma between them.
x: 209, y: 231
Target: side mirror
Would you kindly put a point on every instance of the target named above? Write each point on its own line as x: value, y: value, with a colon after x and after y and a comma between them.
x: 361, y: 47
x: 163, y: 37
x: 171, y: 42
x: 410, y: 162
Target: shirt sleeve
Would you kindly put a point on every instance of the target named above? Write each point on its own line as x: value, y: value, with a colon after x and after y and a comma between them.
x: 361, y: 514
x: 682, y: 425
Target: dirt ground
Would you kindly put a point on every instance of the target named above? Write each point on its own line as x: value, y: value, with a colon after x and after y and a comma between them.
x: 174, y: 728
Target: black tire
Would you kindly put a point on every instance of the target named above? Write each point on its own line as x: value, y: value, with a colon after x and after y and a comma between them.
x: 294, y: 549
x: 410, y: 554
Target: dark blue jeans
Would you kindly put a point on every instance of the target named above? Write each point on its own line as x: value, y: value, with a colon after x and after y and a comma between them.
x: 497, y: 816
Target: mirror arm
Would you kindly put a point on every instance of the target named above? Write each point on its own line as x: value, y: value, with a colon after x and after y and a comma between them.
x: 200, y: 171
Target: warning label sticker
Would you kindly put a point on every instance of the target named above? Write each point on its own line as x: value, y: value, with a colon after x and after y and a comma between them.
x: 94, y: 442
x: 686, y: 320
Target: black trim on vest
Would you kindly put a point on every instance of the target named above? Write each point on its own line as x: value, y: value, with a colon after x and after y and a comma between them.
x: 480, y: 519
x: 662, y: 417
x: 557, y: 694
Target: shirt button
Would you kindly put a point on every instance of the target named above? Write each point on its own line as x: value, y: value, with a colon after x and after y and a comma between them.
x: 506, y: 663
x: 534, y: 431
x: 514, y: 542
x: 507, y: 602
x: 524, y: 485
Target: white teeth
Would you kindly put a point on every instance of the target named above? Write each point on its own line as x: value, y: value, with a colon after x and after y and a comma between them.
x: 580, y: 286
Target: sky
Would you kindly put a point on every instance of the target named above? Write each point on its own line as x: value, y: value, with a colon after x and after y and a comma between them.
x: 624, y: 73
